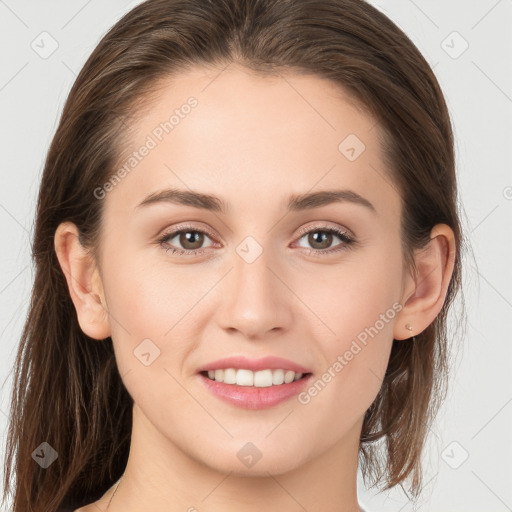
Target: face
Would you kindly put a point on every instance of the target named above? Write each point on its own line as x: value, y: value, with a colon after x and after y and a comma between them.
x: 260, y: 272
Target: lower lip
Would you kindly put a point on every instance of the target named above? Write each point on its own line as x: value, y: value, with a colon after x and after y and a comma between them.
x: 250, y: 397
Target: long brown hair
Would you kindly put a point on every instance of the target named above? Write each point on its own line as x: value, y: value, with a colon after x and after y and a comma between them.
x: 67, y: 390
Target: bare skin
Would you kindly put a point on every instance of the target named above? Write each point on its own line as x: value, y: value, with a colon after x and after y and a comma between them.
x: 253, y: 142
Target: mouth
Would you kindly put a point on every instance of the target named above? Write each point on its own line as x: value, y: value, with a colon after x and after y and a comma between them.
x: 257, y: 390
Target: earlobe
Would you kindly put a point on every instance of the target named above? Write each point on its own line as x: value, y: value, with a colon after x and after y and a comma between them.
x: 83, y: 280
x: 434, y: 264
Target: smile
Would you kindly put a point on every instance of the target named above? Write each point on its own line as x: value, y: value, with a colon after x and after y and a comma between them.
x: 251, y: 395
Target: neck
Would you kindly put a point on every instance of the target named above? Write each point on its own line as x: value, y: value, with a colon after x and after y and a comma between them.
x: 160, y: 477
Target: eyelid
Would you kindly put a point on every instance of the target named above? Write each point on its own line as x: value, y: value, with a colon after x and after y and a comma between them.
x: 323, y: 225
x: 183, y: 227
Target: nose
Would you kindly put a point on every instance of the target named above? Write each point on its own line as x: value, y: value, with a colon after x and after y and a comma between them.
x: 257, y: 299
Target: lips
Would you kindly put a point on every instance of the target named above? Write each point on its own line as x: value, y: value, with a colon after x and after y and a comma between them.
x: 275, y: 380
x: 255, y: 398
x: 264, y: 363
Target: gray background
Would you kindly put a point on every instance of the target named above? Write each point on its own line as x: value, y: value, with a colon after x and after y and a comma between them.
x: 468, y: 463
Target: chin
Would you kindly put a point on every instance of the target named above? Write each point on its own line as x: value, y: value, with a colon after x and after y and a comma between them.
x: 247, y: 459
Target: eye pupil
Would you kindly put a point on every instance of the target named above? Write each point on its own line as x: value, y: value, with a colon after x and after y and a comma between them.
x: 324, y: 236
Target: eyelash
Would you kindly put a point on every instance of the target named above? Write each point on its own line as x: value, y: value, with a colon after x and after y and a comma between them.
x: 343, y: 235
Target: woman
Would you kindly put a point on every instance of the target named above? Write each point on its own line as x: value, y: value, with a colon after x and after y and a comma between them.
x: 247, y: 243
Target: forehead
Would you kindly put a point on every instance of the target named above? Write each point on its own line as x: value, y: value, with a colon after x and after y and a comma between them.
x: 243, y: 136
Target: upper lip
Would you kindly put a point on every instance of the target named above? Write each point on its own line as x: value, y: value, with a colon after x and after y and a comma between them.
x: 264, y: 363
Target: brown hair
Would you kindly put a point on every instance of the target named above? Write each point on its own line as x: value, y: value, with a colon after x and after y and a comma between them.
x: 67, y: 389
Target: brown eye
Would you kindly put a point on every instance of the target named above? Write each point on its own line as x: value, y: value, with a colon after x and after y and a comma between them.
x: 184, y: 241
x: 320, y: 239
x: 191, y: 240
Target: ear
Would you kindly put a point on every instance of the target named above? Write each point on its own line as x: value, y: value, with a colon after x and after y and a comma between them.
x: 84, y: 282
x: 425, y: 292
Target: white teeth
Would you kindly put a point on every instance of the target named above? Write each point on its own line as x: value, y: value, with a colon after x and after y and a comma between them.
x: 278, y: 377
x: 263, y: 379
x: 229, y: 376
x: 288, y: 377
x: 244, y: 378
x: 259, y: 379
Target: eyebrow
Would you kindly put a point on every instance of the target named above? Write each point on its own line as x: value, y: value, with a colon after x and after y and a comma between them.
x: 296, y: 203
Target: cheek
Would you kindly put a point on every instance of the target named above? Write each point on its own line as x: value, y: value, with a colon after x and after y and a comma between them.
x: 157, y: 310
x: 359, y: 294
x: 358, y: 309
x: 355, y: 364
x: 154, y: 327
x: 148, y: 297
